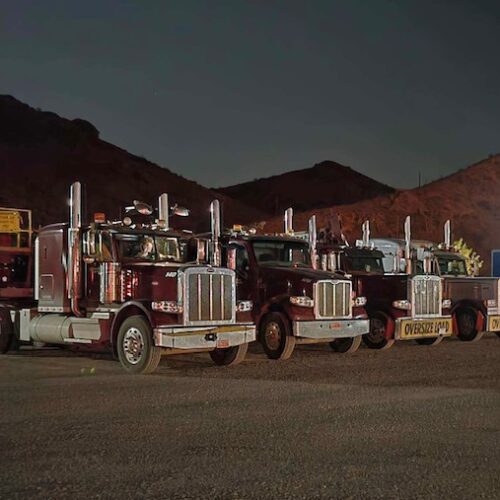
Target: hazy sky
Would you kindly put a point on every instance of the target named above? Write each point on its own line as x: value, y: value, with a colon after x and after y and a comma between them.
x: 228, y: 91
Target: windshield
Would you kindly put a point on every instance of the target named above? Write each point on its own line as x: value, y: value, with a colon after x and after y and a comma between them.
x: 452, y: 265
x: 150, y: 248
x: 281, y: 252
x: 365, y: 263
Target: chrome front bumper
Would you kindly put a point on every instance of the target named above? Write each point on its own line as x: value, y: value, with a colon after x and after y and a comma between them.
x: 207, y: 337
x: 331, y: 329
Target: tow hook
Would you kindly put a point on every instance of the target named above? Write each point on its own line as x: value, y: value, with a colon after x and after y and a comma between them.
x: 211, y: 337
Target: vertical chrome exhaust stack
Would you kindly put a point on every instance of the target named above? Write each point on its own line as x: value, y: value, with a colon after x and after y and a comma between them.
x: 163, y: 210
x: 74, y: 258
x: 215, y: 227
x: 288, y: 221
x: 313, y: 240
x: 447, y: 234
x: 408, y: 244
x: 366, y: 233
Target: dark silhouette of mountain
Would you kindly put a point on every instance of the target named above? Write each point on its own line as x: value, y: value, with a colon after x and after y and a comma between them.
x: 326, y: 184
x: 42, y: 153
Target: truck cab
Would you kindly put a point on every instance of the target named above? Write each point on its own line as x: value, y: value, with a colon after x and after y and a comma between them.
x: 129, y: 288
x: 400, y: 307
x: 293, y: 302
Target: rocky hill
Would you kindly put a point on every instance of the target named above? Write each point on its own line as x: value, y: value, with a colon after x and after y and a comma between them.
x: 42, y: 153
x: 469, y: 197
x: 323, y: 185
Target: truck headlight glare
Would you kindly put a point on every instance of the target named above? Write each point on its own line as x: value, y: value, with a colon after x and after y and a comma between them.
x: 491, y: 303
x: 167, y: 306
x: 359, y: 302
x: 244, y: 306
x: 301, y: 301
x: 402, y: 304
x: 446, y: 303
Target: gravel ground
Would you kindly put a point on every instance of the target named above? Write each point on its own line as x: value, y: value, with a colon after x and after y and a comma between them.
x: 410, y: 422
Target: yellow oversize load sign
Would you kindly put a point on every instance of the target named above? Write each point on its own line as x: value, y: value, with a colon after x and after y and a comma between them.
x: 418, y: 328
x: 9, y: 221
x: 493, y: 324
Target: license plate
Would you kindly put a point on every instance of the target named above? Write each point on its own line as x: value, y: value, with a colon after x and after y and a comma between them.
x: 418, y: 328
x: 494, y: 323
x: 222, y: 344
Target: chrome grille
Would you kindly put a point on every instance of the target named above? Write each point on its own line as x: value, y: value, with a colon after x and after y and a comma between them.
x: 209, y: 296
x: 332, y: 299
x: 426, y: 295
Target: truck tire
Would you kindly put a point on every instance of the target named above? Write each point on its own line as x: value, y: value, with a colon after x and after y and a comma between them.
x: 466, y: 325
x: 375, y: 339
x: 6, y: 330
x: 229, y: 356
x: 134, y: 344
x: 347, y: 345
x: 430, y: 341
x: 275, y: 336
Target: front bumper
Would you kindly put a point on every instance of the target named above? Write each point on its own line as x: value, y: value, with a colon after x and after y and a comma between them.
x: 331, y: 329
x: 207, y: 337
x: 493, y: 323
x: 408, y: 328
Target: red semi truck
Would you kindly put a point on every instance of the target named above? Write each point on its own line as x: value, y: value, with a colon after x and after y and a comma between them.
x: 400, y: 306
x: 121, y: 286
x: 475, y: 301
x: 293, y: 302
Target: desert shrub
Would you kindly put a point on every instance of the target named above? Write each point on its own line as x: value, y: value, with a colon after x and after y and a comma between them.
x: 472, y: 258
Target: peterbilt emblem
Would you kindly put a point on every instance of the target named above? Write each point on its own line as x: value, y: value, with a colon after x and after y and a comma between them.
x: 170, y: 275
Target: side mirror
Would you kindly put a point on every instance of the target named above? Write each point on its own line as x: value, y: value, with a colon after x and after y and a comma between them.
x: 231, y: 258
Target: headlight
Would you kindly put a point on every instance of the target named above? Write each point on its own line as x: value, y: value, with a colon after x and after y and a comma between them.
x: 167, y: 306
x: 359, y: 302
x: 244, y: 306
x: 446, y: 303
x: 301, y: 301
x: 491, y: 303
x: 402, y: 304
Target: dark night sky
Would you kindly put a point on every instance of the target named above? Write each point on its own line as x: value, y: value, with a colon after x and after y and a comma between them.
x: 228, y: 91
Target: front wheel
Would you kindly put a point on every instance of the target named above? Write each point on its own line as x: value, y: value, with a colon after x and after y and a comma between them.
x: 466, y: 324
x: 135, y: 347
x: 230, y: 355
x: 375, y: 338
x: 6, y: 330
x: 347, y: 345
x: 275, y: 336
x: 429, y: 341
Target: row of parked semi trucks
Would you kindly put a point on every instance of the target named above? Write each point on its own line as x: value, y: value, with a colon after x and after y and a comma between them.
x: 140, y: 289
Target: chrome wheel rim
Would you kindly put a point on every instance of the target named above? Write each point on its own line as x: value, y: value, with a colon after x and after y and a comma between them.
x: 273, y: 335
x: 377, y: 330
x: 133, y: 345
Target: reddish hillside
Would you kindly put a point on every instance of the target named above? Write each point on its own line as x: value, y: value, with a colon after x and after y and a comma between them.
x: 469, y: 197
x: 42, y: 153
x: 326, y: 184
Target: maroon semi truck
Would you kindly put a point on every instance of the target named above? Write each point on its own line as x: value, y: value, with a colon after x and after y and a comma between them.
x: 293, y: 303
x: 400, y: 306
x: 475, y: 301
x: 126, y: 287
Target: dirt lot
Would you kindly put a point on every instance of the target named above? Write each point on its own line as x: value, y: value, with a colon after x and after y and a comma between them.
x: 413, y: 422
